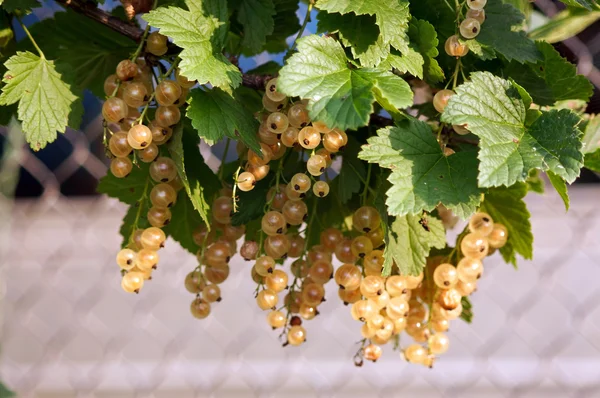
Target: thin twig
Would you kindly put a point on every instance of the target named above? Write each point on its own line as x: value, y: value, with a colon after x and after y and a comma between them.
x: 91, y: 11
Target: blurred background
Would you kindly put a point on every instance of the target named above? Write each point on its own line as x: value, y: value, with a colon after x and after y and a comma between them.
x: 68, y: 330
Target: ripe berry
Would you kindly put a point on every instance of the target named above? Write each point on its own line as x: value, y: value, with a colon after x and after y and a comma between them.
x: 163, y: 169
x: 469, y: 28
x: 246, y: 181
x: 267, y: 299
x: 309, y: 137
x: 135, y: 95
x: 167, y: 92
x: 277, y: 122
x: 440, y: 99
x: 200, y: 308
x: 121, y: 167
x: 476, y: 4
x: 156, y: 44
x: 478, y: 15
x: 163, y: 195
x: 148, y: 154
x: 139, y: 136
x: 455, y: 48
x: 445, y: 276
x: 298, y: 116
x: 321, y: 189
x: 316, y: 165
x: 271, y: 91
x: 118, y: 144
x: 126, y: 70
x: 114, y: 110
x: 498, y: 237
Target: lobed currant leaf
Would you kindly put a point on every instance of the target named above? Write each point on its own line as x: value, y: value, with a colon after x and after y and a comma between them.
x: 493, y: 109
x: 46, y: 102
x: 215, y: 114
x: 391, y: 16
x: 256, y: 17
x: 339, y: 96
x: 551, y: 79
x: 88, y: 49
x: 422, y: 177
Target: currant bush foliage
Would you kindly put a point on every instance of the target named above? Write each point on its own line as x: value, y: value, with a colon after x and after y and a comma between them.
x: 404, y: 114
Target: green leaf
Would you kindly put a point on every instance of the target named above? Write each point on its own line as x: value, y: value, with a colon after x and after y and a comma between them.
x: 256, y: 16
x: 339, y: 96
x: 592, y: 161
x: 561, y: 187
x: 285, y: 24
x: 410, y: 62
x: 591, y: 135
x: 534, y: 182
x: 360, y: 32
x: 409, y: 240
x: 129, y: 189
x: 422, y: 177
x: 423, y: 35
x: 391, y: 16
x: 551, y: 79
x: 564, y: 25
x: 90, y: 50
x: 506, y: 206
x: 128, y: 226
x: 493, y: 109
x: 201, y: 33
x: 46, y: 102
x: 185, y: 219
x: 352, y: 172
x: 21, y: 5
x: 391, y: 91
x: 183, y: 148
x: 500, y: 33
x: 215, y: 114
x: 579, y: 3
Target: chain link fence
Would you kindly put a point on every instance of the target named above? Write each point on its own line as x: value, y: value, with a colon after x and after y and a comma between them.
x: 70, y: 331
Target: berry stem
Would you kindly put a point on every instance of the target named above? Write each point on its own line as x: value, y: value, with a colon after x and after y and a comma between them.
x: 31, y: 39
x: 170, y: 70
x: 140, y: 204
x: 301, y: 31
x: 234, y: 199
x: 138, y: 51
x: 143, y: 114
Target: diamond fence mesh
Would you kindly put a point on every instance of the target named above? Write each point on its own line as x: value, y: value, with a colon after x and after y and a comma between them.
x: 70, y: 331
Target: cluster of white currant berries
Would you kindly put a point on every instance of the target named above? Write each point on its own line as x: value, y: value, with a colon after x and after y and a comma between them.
x: 285, y: 125
x: 217, y: 246
x: 469, y: 28
x: 140, y: 258
x: 131, y: 91
x: 423, y: 306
